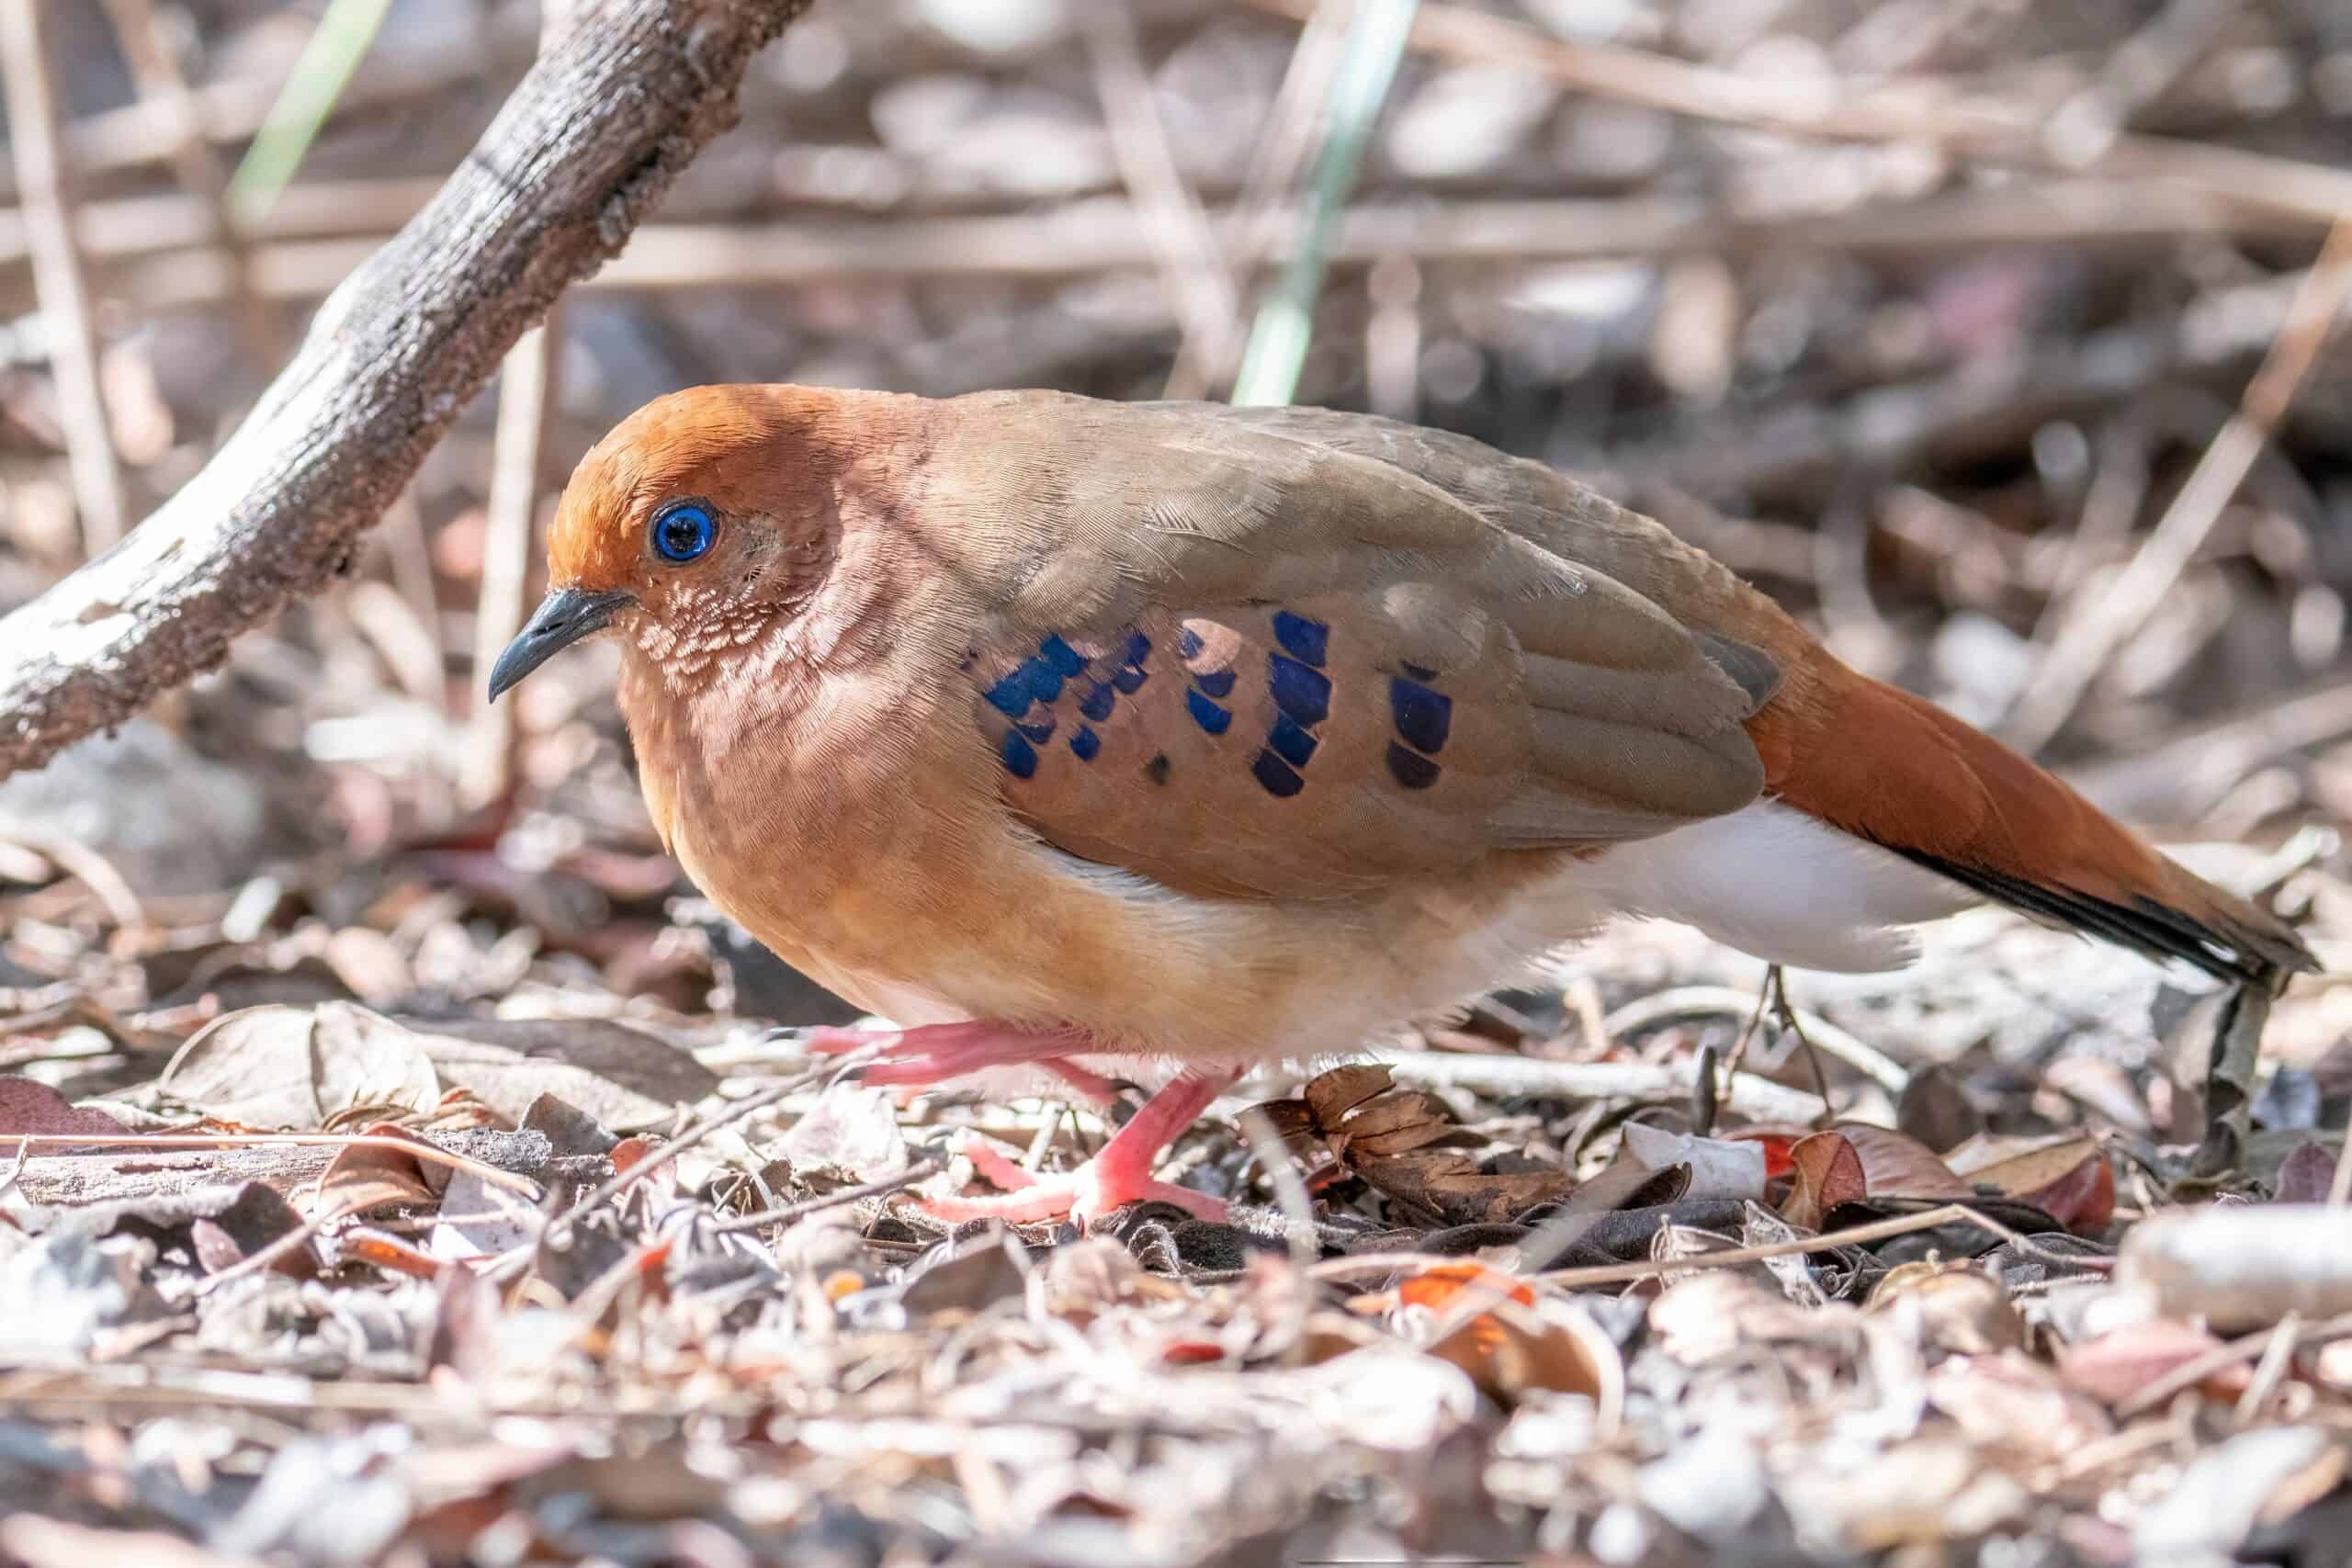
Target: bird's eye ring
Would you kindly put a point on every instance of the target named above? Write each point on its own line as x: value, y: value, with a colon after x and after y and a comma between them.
x: 683, y: 531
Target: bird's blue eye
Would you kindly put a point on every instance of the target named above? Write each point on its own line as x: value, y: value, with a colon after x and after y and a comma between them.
x: 683, y: 532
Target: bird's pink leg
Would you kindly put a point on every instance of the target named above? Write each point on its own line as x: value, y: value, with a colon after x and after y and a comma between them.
x: 1120, y: 1175
x: 933, y: 1051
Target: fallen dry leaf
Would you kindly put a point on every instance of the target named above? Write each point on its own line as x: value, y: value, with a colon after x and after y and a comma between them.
x: 2122, y: 1361
x: 290, y: 1068
x: 1520, y: 1344
x: 363, y: 1178
x: 2073, y: 1183
x: 1827, y: 1173
x: 1895, y: 1164
x: 30, y: 1107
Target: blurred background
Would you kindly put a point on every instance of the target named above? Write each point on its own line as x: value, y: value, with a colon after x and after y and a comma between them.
x: 1938, y: 378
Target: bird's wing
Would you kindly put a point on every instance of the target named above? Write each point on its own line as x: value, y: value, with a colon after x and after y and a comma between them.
x: 1859, y: 755
x: 1242, y: 663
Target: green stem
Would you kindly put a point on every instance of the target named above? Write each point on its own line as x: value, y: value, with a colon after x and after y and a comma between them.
x: 1285, y: 324
x: 319, y: 78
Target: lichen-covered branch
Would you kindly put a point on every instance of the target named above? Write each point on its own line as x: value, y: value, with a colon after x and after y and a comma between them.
x: 617, y: 104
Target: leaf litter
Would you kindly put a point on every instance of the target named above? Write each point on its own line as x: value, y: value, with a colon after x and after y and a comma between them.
x: 328, y: 1282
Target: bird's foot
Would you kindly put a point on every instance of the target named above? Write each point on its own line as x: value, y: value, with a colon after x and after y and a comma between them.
x: 1086, y: 1194
x: 1118, y: 1176
x: 930, y: 1052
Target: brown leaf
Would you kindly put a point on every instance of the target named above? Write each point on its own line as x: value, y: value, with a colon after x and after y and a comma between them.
x: 1330, y: 1095
x: 363, y: 1178
x: 1449, y: 1183
x: 1961, y: 1309
x: 1895, y: 1164
x: 1828, y: 1172
x: 1393, y: 1123
x: 1936, y: 1110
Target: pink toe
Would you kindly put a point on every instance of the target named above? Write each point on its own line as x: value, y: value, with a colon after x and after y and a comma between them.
x: 994, y: 1167
x: 1039, y: 1202
x: 831, y: 1040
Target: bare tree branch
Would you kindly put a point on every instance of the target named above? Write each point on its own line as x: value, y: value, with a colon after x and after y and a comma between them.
x: 611, y: 112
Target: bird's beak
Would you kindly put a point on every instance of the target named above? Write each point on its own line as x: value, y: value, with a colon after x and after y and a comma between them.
x: 563, y: 617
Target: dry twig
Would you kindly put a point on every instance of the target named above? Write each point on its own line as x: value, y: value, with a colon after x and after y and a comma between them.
x: 41, y: 173
x: 2084, y: 643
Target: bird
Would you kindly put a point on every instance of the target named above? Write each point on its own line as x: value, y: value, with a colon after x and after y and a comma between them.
x: 1089, y: 735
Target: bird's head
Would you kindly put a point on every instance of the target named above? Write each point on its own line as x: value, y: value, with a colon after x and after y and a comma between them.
x: 702, y: 518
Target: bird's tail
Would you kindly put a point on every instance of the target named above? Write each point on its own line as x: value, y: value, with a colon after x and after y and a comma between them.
x: 1888, y: 767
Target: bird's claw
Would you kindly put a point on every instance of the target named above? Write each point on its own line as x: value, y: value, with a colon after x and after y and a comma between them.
x: 1103, y: 1184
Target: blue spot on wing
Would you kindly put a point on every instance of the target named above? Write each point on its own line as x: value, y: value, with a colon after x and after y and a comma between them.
x: 1302, y: 638
x: 1020, y: 757
x: 1215, y: 682
x: 1289, y: 741
x: 1206, y: 714
x: 1276, y: 775
x: 1041, y: 731
x: 1188, y: 644
x: 1410, y: 768
x: 1300, y: 691
x: 1064, y: 660
x: 1043, y: 680
x: 1423, y: 718
x: 1097, y: 703
x: 1010, y: 696
x: 1131, y: 673
x: 1031, y: 681
x: 1085, y: 744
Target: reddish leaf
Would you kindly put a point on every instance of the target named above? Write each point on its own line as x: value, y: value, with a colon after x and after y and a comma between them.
x: 2306, y: 1174
x: 2072, y: 1181
x: 2117, y: 1365
x: 1778, y: 1142
x: 26, y: 1107
x: 1828, y: 1172
x: 1436, y: 1287
x: 386, y: 1250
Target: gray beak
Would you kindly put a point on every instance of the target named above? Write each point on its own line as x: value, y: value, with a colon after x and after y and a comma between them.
x: 562, y: 619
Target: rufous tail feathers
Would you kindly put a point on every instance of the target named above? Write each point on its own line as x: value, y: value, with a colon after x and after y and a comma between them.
x: 1886, y: 766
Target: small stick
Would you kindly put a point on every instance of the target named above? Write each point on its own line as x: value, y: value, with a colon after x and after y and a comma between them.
x: 1691, y: 1001
x: 2189, y: 1374
x: 140, y: 30
x: 525, y: 393
x: 1192, y: 264
x: 431, y: 1154
x: 921, y: 1170
x: 2084, y: 644
x: 59, y: 280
